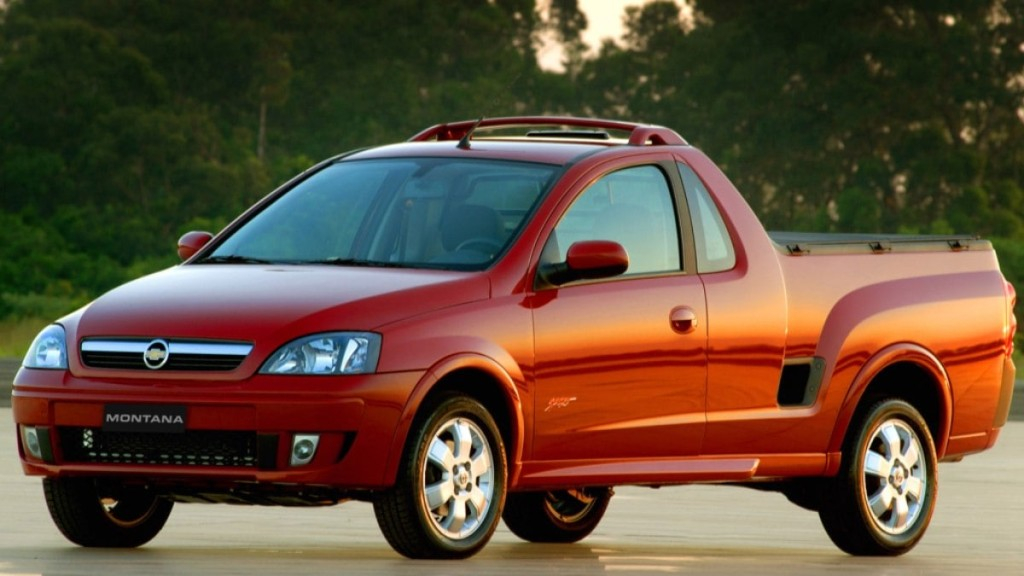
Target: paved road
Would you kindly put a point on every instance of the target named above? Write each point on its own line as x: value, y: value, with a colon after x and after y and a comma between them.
x: 692, y: 530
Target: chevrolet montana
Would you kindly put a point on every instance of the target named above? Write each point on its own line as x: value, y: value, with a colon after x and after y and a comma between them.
x: 505, y: 319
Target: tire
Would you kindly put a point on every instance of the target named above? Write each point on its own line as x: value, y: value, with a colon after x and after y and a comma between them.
x: 94, y: 514
x: 561, y: 516
x: 883, y: 499
x: 451, y: 484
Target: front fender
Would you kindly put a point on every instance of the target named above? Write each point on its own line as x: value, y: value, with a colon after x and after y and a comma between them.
x: 506, y: 385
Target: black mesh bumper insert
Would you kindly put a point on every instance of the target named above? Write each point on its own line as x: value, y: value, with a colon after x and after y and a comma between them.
x: 192, y: 448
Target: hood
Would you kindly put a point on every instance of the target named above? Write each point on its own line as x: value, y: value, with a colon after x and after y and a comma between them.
x: 270, y: 305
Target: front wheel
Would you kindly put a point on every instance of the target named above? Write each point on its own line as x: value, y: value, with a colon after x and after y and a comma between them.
x: 451, y: 485
x: 99, y: 514
x: 560, y: 516
x: 883, y: 499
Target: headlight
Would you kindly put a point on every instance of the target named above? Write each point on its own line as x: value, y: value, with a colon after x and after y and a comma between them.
x: 48, y: 350
x: 333, y: 353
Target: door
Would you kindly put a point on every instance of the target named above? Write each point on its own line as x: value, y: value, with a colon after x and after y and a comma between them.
x: 620, y: 362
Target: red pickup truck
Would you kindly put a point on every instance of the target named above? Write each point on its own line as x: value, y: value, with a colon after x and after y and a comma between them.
x: 506, y: 319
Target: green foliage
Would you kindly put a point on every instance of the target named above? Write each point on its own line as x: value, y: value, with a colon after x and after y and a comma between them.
x: 16, y: 334
x: 128, y: 122
x: 913, y: 104
x: 35, y: 306
x: 1011, y: 260
x: 858, y: 211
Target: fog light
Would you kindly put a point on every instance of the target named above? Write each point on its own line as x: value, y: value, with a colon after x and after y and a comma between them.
x: 304, y: 448
x: 30, y: 440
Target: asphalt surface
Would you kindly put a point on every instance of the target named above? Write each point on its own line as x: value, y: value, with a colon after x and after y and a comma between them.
x: 690, y: 529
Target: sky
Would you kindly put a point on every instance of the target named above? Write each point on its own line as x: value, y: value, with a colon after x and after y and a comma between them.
x: 604, y: 20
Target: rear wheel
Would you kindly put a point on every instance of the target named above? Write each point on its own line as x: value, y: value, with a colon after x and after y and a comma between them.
x: 451, y: 484
x: 558, y: 516
x: 99, y: 514
x: 883, y: 499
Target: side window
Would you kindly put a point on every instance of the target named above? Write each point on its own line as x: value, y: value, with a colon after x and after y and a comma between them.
x: 632, y: 207
x: 715, y: 251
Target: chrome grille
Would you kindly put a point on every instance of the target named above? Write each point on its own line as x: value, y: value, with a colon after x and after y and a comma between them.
x: 191, y: 448
x: 129, y: 354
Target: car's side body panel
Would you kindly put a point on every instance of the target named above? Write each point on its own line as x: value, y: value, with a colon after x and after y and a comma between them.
x: 759, y: 371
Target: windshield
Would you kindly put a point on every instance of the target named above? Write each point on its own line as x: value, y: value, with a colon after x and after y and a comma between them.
x: 406, y: 212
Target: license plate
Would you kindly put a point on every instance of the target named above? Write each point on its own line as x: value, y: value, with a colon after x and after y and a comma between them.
x: 144, y: 418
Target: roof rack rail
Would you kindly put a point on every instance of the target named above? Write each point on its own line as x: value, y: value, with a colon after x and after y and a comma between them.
x: 639, y: 134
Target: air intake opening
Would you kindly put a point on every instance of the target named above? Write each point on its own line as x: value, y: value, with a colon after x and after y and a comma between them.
x: 800, y: 381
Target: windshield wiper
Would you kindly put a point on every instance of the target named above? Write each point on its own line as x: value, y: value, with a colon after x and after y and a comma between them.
x: 232, y: 259
x: 238, y: 259
x: 354, y: 262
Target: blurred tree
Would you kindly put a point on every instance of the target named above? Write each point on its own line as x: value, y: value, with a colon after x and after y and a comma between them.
x: 127, y: 121
x: 910, y: 102
x: 98, y: 153
x: 567, y: 23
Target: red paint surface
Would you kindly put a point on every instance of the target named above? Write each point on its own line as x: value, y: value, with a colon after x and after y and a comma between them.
x: 592, y: 382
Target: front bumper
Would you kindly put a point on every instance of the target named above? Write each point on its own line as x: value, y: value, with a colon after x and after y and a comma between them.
x: 235, y: 433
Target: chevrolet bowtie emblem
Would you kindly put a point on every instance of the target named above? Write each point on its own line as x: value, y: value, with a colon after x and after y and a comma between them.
x: 156, y: 354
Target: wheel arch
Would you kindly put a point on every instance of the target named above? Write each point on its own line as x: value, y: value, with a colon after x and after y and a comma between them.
x: 906, y: 371
x: 477, y: 377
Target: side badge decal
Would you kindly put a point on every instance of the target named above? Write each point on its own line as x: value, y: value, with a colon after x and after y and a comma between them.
x: 559, y: 402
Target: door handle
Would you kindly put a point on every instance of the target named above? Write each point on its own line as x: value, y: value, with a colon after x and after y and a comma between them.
x: 683, y: 319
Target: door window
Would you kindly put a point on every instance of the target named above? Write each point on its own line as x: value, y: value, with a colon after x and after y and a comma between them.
x: 715, y: 252
x: 632, y: 207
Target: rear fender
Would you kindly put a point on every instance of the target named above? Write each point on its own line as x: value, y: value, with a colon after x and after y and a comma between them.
x: 889, y: 356
x: 910, y: 320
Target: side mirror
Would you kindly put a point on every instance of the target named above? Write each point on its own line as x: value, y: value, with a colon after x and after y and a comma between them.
x: 191, y: 243
x: 588, y: 260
